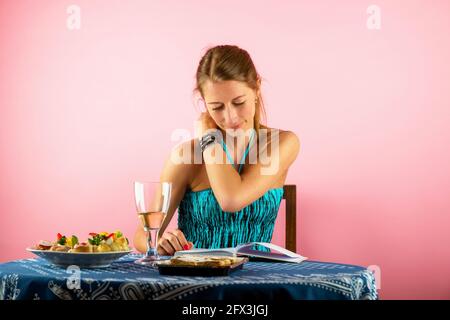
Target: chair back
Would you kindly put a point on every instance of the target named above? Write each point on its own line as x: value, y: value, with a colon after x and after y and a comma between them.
x: 290, y: 196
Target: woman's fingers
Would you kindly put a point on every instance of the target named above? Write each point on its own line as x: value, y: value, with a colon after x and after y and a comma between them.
x: 164, y: 248
x: 161, y: 251
x: 181, y: 238
x: 173, y: 241
x: 169, y: 242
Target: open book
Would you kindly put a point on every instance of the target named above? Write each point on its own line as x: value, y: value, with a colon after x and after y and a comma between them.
x: 246, y: 250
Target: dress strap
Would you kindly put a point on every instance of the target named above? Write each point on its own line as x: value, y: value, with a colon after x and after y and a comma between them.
x: 243, y: 156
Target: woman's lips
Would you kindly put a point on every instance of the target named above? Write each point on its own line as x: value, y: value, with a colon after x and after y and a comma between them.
x: 235, y: 127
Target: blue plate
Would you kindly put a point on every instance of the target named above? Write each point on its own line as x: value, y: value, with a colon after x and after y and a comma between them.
x: 80, y: 259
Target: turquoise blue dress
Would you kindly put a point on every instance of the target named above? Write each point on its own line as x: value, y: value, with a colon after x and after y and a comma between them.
x: 203, y: 222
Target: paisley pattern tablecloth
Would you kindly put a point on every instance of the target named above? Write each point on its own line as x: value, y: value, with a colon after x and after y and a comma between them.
x: 266, y: 281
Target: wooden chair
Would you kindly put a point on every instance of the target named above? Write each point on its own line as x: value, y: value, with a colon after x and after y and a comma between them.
x: 290, y: 195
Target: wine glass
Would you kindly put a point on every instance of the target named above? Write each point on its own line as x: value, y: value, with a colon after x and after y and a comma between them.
x: 152, y: 203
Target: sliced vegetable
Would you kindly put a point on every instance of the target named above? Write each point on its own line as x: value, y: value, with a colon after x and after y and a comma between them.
x: 74, y: 241
x: 62, y: 241
x: 95, y: 240
x: 110, y: 235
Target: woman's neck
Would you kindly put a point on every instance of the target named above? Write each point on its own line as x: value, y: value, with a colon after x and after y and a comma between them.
x: 237, y: 145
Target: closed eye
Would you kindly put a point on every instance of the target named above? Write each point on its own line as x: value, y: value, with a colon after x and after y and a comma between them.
x: 235, y: 103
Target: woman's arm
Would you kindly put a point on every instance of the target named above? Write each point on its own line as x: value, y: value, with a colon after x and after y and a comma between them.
x: 234, y: 191
x: 179, y: 175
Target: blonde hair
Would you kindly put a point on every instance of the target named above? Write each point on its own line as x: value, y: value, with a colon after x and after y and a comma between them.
x: 229, y: 62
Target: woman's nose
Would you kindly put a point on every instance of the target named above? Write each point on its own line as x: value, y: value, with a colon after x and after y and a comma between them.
x: 231, y: 117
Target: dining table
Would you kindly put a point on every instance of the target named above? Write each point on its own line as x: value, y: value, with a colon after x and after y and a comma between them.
x: 38, y: 279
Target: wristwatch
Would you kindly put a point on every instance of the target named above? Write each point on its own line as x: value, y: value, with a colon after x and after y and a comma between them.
x: 209, y: 139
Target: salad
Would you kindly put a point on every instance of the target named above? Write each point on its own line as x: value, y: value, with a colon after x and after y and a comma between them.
x: 97, y: 242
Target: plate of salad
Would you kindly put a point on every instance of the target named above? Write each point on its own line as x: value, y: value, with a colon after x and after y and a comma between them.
x: 99, y: 251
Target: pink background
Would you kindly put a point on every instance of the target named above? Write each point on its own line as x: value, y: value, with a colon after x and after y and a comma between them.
x: 84, y: 113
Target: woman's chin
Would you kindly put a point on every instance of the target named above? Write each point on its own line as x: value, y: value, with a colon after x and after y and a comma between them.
x: 235, y: 132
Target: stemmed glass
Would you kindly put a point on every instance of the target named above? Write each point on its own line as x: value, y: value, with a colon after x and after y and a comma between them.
x: 152, y: 203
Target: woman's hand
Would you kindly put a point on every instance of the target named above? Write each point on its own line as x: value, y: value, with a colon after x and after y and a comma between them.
x: 172, y: 241
x: 204, y: 123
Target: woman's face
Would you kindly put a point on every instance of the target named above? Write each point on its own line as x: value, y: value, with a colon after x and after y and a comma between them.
x: 231, y: 104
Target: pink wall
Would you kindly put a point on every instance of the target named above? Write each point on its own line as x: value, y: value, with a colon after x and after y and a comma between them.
x: 86, y: 112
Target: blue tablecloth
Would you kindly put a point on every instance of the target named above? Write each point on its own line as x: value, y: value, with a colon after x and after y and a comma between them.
x: 268, y: 281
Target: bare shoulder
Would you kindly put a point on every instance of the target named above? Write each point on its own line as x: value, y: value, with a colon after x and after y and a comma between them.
x: 289, y: 137
x: 184, y: 153
x: 188, y: 154
x: 286, y: 138
x: 180, y: 163
x: 289, y: 146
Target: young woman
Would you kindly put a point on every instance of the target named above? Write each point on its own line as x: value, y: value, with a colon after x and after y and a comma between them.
x: 227, y: 199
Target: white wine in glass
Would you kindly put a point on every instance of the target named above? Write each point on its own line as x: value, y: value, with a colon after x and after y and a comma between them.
x: 152, y: 203
x: 151, y: 220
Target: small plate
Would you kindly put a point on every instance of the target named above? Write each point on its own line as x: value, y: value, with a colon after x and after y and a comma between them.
x: 166, y: 268
x: 80, y: 259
